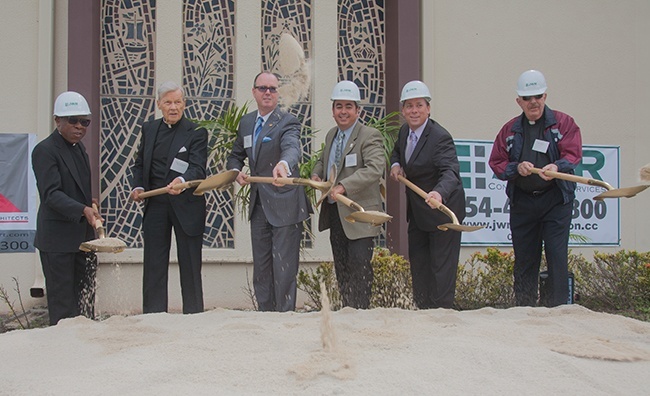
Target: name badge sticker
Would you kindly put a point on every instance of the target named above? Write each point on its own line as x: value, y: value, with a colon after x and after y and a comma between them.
x: 248, y: 141
x: 350, y: 160
x: 179, y: 166
x: 541, y: 146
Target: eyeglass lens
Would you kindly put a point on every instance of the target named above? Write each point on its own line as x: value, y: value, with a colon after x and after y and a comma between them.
x: 264, y: 88
x: 527, y: 98
x: 74, y: 120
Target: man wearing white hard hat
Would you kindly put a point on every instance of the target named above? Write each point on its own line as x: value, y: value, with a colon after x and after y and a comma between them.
x: 425, y: 154
x: 66, y: 217
x: 358, y: 153
x: 540, y: 206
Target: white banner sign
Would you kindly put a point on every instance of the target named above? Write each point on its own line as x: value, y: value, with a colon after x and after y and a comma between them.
x: 17, y: 193
x: 594, y: 223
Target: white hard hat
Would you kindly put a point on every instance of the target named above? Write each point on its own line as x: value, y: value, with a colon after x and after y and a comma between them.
x: 346, y: 90
x: 415, y: 89
x: 71, y: 104
x: 530, y: 83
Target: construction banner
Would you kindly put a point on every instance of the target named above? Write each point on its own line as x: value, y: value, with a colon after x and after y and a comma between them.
x: 17, y: 193
x: 593, y: 223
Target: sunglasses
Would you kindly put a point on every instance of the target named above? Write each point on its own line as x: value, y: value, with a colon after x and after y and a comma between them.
x: 264, y: 88
x: 527, y: 98
x: 74, y: 120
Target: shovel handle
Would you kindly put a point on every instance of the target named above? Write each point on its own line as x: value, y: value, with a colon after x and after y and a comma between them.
x: 349, y: 203
x: 435, y: 203
x: 573, y: 178
x: 99, y: 227
x: 163, y: 190
x: 296, y: 181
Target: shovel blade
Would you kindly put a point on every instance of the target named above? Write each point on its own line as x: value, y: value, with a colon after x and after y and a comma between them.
x: 105, y: 245
x: 625, y: 192
x: 372, y: 217
x: 220, y: 181
x: 459, y: 227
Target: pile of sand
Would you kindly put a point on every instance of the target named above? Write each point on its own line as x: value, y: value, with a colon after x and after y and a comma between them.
x: 564, y: 350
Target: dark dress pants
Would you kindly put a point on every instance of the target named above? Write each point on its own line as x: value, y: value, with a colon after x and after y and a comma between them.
x: 158, y: 223
x: 276, y: 255
x: 69, y: 284
x: 535, y: 219
x: 434, y: 265
x: 352, y: 263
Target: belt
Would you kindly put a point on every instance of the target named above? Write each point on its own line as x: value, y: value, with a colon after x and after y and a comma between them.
x: 539, y: 192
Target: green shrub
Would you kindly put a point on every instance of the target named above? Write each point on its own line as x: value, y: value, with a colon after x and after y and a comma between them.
x: 391, y: 286
x: 485, y: 281
x: 616, y: 283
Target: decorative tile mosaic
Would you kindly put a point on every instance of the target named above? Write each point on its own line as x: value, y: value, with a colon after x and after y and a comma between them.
x: 127, y: 99
x: 286, y: 50
x: 208, y: 78
x: 361, y: 49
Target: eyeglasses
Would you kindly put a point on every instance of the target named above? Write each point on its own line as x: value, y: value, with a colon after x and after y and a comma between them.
x: 264, y: 88
x: 74, y: 120
x: 527, y: 98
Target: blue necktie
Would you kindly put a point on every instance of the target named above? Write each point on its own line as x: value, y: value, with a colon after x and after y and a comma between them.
x: 258, y: 128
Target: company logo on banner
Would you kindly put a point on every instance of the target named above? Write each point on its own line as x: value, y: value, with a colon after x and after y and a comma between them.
x: 17, y: 193
x: 597, y: 223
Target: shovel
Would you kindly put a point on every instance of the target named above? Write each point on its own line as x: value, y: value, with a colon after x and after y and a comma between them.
x: 163, y: 190
x: 323, y: 186
x: 454, y: 225
x: 103, y: 244
x: 372, y: 217
x: 626, y: 192
x: 220, y: 181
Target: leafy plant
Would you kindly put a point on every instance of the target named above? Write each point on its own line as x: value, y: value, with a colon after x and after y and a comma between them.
x: 615, y: 282
x: 486, y: 280
x: 391, y: 286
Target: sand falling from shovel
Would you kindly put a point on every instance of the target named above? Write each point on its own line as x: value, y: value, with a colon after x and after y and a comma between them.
x: 330, y: 360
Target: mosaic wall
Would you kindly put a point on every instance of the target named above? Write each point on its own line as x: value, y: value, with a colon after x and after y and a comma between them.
x: 361, y: 58
x: 286, y: 50
x: 127, y: 95
x: 128, y: 87
x: 208, y: 79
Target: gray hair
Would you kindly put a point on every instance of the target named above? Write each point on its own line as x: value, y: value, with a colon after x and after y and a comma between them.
x: 169, y: 86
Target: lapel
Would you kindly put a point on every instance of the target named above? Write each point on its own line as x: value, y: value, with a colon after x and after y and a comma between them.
x: 351, y: 142
x: 66, y: 155
x: 329, y: 142
x: 150, y: 141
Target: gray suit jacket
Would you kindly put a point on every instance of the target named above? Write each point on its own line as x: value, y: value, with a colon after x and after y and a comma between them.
x: 279, y: 140
x: 361, y: 180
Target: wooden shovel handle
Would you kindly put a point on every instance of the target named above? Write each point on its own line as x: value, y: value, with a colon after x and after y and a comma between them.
x: 296, y: 181
x: 99, y: 227
x: 435, y: 203
x: 163, y: 190
x: 349, y: 203
x: 573, y: 178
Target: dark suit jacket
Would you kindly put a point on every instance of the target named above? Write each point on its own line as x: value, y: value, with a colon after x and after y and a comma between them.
x: 432, y: 166
x: 190, y: 145
x: 361, y: 181
x: 279, y: 140
x: 60, y: 224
